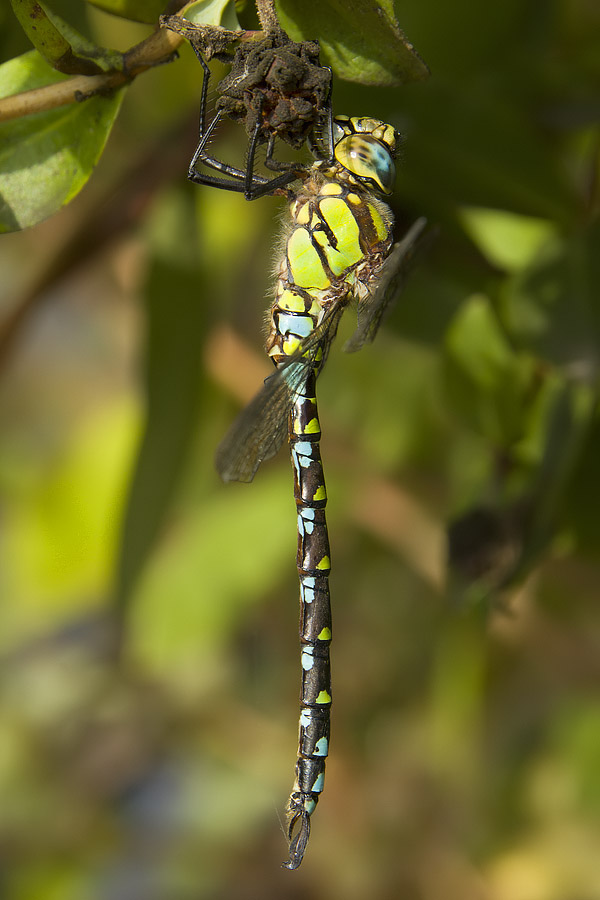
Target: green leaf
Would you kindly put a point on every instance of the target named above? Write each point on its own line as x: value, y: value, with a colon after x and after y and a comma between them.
x: 553, y: 306
x: 569, y: 415
x: 486, y: 380
x: 61, y: 45
x: 506, y: 239
x: 205, y: 12
x: 461, y: 152
x: 176, y: 322
x: 220, y: 561
x: 146, y: 11
x: 46, y: 158
x: 582, y: 500
x: 213, y: 12
x: 60, y: 546
x: 360, y: 39
x: 477, y: 343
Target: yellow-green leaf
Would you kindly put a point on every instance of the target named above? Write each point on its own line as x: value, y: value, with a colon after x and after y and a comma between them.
x: 508, y: 240
x: 46, y: 158
x: 61, y: 45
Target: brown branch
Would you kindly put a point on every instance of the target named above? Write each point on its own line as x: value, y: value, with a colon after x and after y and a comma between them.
x: 158, y: 48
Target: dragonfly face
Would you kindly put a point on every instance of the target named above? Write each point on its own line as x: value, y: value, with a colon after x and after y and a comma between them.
x: 366, y: 147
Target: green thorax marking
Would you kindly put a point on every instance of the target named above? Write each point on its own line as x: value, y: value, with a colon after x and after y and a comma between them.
x: 337, y: 224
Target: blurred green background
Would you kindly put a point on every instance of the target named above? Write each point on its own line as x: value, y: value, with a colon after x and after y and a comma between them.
x: 466, y: 717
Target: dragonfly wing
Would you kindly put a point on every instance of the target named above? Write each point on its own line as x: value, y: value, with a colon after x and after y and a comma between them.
x: 389, y: 284
x: 261, y: 428
x: 257, y: 433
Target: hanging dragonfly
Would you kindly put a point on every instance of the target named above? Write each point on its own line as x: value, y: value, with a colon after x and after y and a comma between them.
x: 339, y: 247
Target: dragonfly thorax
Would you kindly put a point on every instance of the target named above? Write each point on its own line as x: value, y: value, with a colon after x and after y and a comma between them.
x: 365, y: 147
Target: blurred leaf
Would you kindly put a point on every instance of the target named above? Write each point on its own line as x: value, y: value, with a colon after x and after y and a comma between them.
x: 62, y: 541
x: 487, y: 381
x: 385, y: 396
x: 61, y: 45
x: 360, y: 39
x: 457, y: 688
x: 228, y: 553
x: 507, y: 240
x: 471, y: 146
x: 208, y: 12
x: 176, y: 321
x: 146, y: 11
x: 553, y: 306
x: 570, y: 408
x: 577, y: 740
x: 46, y: 158
x: 51, y: 880
x: 582, y: 499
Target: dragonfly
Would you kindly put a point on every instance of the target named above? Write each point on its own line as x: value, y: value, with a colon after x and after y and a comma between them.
x: 339, y: 247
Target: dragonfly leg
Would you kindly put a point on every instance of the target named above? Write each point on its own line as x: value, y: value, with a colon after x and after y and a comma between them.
x: 237, y: 178
x: 247, y: 181
x: 255, y: 186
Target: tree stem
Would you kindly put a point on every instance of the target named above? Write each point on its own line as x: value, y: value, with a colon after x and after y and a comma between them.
x: 154, y: 50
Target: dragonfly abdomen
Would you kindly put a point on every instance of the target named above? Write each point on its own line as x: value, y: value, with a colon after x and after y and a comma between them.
x: 313, y: 561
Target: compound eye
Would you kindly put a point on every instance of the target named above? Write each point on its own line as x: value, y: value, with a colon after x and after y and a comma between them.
x: 366, y: 157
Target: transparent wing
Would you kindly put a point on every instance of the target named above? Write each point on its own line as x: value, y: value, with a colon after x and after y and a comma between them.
x: 389, y: 284
x: 261, y: 428
x: 257, y: 433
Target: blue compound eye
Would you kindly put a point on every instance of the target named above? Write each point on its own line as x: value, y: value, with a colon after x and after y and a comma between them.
x: 366, y: 157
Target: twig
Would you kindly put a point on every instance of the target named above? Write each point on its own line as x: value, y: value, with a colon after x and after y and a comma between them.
x: 154, y: 50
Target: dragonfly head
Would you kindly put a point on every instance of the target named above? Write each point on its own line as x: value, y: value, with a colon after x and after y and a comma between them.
x: 366, y: 147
